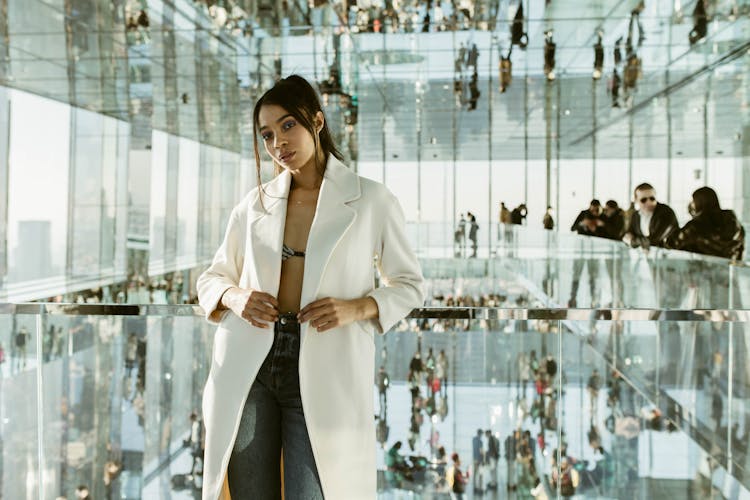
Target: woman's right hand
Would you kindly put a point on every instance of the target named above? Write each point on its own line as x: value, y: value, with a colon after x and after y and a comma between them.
x: 256, y: 307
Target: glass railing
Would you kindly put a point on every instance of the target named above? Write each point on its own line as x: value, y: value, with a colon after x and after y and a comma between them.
x: 638, y: 403
x: 569, y: 270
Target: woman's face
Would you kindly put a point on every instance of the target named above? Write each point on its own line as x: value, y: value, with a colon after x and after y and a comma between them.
x: 286, y: 140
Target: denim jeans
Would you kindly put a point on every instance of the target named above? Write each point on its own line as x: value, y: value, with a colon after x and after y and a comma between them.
x: 272, y: 421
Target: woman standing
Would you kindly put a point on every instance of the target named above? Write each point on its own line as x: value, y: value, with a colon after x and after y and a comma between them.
x: 292, y: 289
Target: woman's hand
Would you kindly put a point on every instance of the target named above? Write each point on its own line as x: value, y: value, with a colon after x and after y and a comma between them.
x: 253, y: 306
x: 328, y: 313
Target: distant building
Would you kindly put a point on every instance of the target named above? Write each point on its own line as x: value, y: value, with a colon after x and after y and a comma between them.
x: 33, y: 255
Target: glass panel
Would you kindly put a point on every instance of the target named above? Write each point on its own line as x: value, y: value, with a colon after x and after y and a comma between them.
x: 187, y: 203
x: 158, y: 208
x: 4, y: 139
x: 20, y: 429
x: 37, y: 232
x: 608, y: 406
x: 121, y: 199
x: 109, y: 200
x: 87, y: 193
x: 170, y: 227
x: 38, y: 56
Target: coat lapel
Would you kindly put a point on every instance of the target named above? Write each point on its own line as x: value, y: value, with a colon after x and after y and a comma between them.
x: 266, y: 232
x: 333, y: 217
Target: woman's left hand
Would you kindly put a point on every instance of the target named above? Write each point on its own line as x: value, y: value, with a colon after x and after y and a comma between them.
x: 328, y: 313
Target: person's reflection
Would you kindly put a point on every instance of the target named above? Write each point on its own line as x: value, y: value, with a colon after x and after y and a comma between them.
x: 20, y: 342
x: 383, y: 382
x: 131, y: 353
x: 82, y: 492
x: 141, y: 356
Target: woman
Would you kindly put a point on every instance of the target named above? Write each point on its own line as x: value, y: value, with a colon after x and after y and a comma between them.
x: 712, y: 231
x: 291, y: 288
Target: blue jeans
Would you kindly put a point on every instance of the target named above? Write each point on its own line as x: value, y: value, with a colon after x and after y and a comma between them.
x: 273, y: 421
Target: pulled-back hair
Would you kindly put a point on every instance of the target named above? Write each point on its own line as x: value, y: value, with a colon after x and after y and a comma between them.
x: 299, y: 99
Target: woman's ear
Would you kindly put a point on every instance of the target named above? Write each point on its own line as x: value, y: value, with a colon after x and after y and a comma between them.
x: 319, y: 121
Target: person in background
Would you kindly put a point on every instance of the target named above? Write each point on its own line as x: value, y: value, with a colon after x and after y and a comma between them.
x: 614, y: 229
x: 442, y: 369
x: 459, y: 238
x: 593, y: 386
x: 547, y: 221
x: 712, y: 231
x: 473, y: 228
x: 478, y: 455
x: 503, y: 227
x: 492, y: 457
x: 82, y: 492
x: 588, y: 223
x: 518, y: 214
x: 653, y: 224
x: 459, y: 478
x: 382, y: 382
x: 614, y: 221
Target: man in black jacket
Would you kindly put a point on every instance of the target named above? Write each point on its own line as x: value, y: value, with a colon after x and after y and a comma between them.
x: 614, y: 221
x: 614, y: 228
x: 588, y: 223
x: 653, y: 224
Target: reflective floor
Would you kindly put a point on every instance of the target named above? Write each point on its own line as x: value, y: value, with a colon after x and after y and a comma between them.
x: 109, y: 397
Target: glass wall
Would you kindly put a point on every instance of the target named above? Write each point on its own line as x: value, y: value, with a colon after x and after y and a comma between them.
x: 37, y: 232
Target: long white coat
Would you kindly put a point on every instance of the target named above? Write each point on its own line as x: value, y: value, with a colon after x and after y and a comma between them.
x: 355, y: 221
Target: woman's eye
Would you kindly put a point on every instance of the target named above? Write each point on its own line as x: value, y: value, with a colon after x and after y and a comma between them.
x: 288, y: 125
x: 266, y: 136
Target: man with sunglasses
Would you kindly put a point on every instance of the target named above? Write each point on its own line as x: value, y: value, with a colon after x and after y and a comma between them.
x: 653, y: 224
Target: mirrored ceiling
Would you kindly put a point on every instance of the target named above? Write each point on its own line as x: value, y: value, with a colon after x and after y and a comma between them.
x: 425, y: 75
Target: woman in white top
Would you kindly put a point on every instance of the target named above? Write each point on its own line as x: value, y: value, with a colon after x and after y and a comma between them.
x: 292, y: 289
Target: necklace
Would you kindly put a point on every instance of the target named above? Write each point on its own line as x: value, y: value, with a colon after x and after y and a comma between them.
x: 303, y: 200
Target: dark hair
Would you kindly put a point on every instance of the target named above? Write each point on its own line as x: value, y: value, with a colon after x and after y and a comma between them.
x: 611, y: 204
x: 706, y: 201
x: 595, y: 203
x: 299, y: 99
x: 642, y: 187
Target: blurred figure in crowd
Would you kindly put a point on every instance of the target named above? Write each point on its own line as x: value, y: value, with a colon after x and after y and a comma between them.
x: 547, y: 221
x: 712, y: 231
x: 518, y: 214
x: 614, y: 229
x: 588, y: 223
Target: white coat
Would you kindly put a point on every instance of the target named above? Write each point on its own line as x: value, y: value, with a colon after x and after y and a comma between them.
x: 356, y: 220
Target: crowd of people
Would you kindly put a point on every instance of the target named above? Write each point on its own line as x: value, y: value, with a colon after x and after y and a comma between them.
x: 711, y: 231
x: 412, y: 16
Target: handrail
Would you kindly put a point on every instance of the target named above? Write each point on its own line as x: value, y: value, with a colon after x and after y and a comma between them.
x: 470, y: 313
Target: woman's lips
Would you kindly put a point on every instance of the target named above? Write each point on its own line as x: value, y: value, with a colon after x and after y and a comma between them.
x: 286, y: 157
